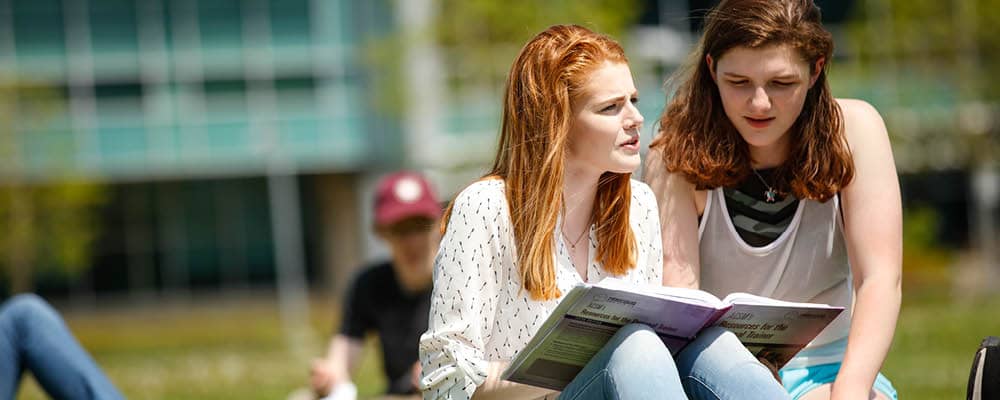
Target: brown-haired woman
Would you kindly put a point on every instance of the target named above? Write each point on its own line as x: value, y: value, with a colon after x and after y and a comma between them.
x: 559, y: 208
x: 767, y: 184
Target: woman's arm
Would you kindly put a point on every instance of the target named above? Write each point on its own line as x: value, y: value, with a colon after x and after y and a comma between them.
x: 495, y: 388
x: 873, y: 232
x: 339, y: 365
x: 467, y: 283
x: 678, y: 211
x: 647, y: 217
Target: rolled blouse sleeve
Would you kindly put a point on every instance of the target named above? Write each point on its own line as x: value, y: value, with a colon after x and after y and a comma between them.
x: 467, y: 283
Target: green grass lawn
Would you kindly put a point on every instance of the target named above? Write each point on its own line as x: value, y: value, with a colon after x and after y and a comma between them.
x: 205, y: 350
x: 935, y: 341
x: 235, y: 350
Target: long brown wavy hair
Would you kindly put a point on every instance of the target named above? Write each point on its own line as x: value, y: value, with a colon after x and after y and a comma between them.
x: 700, y: 142
x: 546, y: 77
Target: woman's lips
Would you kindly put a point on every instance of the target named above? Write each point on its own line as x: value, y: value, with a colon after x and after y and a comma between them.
x: 759, y: 123
x: 632, y: 145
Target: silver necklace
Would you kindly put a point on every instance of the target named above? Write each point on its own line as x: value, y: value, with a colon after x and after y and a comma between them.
x: 573, y: 243
x: 770, y: 194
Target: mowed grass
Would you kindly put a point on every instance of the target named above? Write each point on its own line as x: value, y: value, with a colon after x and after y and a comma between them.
x: 936, y: 339
x: 221, y: 349
x: 236, y: 349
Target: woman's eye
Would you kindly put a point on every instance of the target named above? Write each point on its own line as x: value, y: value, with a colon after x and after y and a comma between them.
x: 738, y: 83
x: 783, y: 83
x: 635, y: 100
x: 609, y: 108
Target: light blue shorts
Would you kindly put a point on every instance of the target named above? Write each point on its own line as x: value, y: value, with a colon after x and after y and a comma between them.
x: 799, y: 381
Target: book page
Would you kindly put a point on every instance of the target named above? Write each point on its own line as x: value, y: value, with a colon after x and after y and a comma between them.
x: 586, y: 320
x: 667, y: 315
x: 686, y: 295
x: 778, y: 331
x: 747, y: 298
x: 563, y: 353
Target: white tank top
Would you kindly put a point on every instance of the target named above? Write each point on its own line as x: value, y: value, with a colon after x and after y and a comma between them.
x: 806, y: 263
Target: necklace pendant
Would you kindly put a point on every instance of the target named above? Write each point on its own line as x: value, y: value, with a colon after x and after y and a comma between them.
x: 771, y: 195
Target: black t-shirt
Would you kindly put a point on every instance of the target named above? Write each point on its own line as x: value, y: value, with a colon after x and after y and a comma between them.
x: 376, y: 303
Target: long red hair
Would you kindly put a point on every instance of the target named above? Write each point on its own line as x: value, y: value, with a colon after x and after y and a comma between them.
x: 700, y: 142
x: 547, y: 75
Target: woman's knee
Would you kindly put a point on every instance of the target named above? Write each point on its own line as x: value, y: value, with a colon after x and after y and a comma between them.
x: 717, y: 349
x: 638, y: 344
x: 720, y: 342
x: 24, y: 307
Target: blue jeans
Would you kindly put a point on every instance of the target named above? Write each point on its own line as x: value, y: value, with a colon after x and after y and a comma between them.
x: 635, y: 364
x: 34, y: 337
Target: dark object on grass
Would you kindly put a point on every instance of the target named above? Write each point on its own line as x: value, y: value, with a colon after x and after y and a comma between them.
x: 984, y: 379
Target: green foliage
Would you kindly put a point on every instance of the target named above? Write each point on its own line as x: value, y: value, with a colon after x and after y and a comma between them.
x: 478, y: 39
x: 925, y: 263
x: 481, y: 37
x: 919, y: 227
x: 938, y: 58
x: 925, y: 31
x: 48, y: 224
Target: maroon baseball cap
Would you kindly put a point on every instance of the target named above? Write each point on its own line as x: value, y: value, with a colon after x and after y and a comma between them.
x: 403, y: 195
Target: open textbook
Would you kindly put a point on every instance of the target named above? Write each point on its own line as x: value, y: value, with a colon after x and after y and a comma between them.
x: 591, y: 313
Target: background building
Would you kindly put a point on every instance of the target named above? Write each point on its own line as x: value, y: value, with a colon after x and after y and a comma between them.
x: 214, y: 125
x: 236, y: 139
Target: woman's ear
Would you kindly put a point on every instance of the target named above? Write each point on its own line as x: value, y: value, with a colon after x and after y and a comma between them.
x: 817, y: 68
x: 711, y: 66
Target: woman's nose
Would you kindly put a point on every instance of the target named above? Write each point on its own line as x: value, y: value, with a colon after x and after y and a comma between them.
x: 760, y: 101
x: 634, y: 120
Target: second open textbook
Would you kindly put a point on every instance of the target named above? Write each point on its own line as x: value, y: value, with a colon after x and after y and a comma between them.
x: 591, y: 313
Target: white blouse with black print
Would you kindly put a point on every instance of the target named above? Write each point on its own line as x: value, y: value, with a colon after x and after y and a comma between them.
x: 479, y: 312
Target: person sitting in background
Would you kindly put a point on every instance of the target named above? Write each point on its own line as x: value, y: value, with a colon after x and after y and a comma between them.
x: 391, y: 298
x: 33, y: 337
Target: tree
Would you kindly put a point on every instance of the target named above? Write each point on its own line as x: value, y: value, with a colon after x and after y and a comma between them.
x: 48, y: 212
x: 481, y: 37
x: 936, y: 60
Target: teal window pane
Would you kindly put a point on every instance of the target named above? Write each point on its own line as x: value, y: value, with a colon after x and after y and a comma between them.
x: 345, y: 142
x: 219, y: 22
x: 221, y: 28
x: 113, y: 26
x: 335, y: 22
x: 229, y: 139
x: 290, y: 22
x: 476, y: 116
x: 300, y: 135
x: 176, y: 137
x: 201, y: 244
x: 126, y: 144
x: 165, y: 142
x: 168, y: 19
x: 38, y: 27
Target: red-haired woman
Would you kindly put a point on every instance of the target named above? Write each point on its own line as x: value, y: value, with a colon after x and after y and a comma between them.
x: 767, y: 184
x: 559, y: 208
